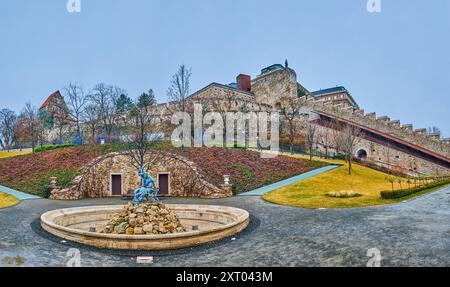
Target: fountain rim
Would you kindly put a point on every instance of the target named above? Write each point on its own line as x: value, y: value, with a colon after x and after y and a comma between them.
x: 241, y: 217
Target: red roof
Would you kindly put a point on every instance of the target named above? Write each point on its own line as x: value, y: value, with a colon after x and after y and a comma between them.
x: 49, y: 99
x: 55, y: 114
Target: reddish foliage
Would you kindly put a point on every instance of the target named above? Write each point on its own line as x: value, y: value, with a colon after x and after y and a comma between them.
x: 34, y: 165
x: 246, y: 168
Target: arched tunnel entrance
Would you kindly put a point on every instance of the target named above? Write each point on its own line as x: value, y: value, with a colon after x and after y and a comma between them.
x: 361, y: 154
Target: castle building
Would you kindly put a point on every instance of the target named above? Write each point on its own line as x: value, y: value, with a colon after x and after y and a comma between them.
x: 56, y: 107
x: 54, y: 113
x: 383, y: 141
x: 336, y: 95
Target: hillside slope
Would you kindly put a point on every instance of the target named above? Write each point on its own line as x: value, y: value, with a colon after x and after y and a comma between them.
x: 31, y: 173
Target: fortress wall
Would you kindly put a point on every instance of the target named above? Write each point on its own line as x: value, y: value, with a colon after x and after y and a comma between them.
x: 384, y: 124
x: 215, y: 91
x: 381, y: 155
x: 271, y: 87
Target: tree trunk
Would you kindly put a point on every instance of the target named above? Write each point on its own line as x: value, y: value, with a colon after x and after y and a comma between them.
x: 349, y: 165
x: 93, y: 136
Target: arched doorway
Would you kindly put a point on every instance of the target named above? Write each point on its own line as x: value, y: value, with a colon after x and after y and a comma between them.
x: 361, y: 154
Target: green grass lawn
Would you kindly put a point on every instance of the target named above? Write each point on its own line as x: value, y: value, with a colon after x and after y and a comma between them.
x: 7, y: 200
x: 311, y: 193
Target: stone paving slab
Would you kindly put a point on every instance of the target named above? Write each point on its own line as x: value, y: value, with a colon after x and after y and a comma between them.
x: 18, y: 194
x: 289, y: 181
x: 412, y: 233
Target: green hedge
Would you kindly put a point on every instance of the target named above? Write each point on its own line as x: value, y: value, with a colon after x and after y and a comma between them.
x: 51, y: 147
x: 405, y: 192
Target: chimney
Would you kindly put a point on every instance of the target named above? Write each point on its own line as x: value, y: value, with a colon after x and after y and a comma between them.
x: 244, y: 82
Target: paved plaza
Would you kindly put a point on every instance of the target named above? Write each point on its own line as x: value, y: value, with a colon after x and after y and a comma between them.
x: 413, y: 233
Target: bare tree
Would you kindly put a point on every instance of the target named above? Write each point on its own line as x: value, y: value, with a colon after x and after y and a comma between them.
x: 180, y: 87
x: 8, y: 128
x: 45, y: 123
x: 290, y: 112
x: 63, y: 125
x: 145, y: 123
x: 335, y: 134
x: 324, y: 138
x: 223, y: 104
x: 310, y: 135
x: 75, y: 99
x: 350, y: 137
x: 30, y: 121
x: 90, y: 117
x: 105, y: 98
x: 387, y: 154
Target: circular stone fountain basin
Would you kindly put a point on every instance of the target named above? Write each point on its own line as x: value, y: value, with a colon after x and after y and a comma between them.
x: 204, y: 223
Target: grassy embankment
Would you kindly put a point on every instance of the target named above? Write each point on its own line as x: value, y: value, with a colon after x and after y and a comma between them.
x: 7, y: 200
x: 312, y: 192
x: 31, y: 173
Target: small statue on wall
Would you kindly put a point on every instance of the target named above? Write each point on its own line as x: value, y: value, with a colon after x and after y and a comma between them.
x: 147, y: 191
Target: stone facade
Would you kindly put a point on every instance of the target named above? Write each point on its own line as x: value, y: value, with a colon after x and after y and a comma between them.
x: 269, y: 88
x: 337, y: 96
x: 275, y: 84
x: 185, y: 179
x: 377, y: 152
x: 380, y: 155
x: 56, y: 106
x: 269, y: 91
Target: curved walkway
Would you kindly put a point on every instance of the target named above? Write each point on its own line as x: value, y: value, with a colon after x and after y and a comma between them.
x: 413, y: 233
x: 289, y: 181
x: 18, y: 194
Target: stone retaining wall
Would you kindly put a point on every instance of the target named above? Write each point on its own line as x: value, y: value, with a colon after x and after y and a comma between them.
x: 186, y: 180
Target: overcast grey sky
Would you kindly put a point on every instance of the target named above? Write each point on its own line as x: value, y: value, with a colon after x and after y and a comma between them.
x: 395, y: 62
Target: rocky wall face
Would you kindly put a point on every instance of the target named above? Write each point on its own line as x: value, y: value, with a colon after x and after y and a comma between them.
x: 370, y: 120
x: 270, y: 88
x: 184, y: 178
x: 382, y: 155
x: 218, y: 98
x: 218, y: 91
x: 392, y: 158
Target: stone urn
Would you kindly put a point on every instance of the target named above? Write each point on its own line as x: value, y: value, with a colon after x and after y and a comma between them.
x: 53, y: 182
x: 226, y: 179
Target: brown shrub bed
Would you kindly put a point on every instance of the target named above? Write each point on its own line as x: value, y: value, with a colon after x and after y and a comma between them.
x: 31, y: 173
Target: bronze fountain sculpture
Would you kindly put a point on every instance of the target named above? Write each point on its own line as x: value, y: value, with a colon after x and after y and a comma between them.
x: 147, y: 191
